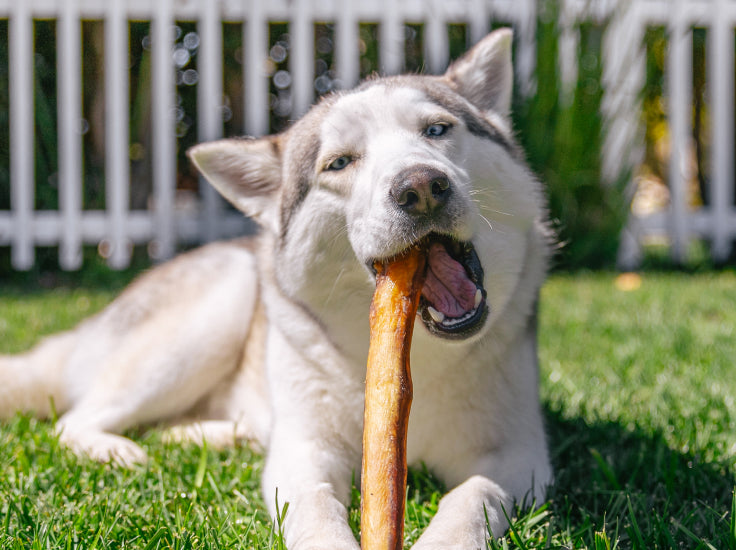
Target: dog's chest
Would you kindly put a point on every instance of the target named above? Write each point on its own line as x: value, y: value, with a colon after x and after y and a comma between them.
x: 452, y: 412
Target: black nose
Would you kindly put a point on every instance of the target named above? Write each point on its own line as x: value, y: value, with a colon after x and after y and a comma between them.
x: 420, y: 190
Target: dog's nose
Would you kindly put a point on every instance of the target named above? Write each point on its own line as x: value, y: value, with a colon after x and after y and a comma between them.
x: 420, y: 190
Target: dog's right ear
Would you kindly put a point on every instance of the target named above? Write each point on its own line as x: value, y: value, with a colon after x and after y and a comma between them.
x: 247, y: 172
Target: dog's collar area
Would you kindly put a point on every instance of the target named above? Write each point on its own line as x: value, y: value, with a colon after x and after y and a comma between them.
x: 453, y: 302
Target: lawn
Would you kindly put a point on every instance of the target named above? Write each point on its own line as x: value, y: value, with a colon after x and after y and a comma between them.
x: 638, y: 388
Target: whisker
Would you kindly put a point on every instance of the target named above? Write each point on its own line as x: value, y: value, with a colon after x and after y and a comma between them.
x: 486, y: 220
x: 338, y: 233
x: 334, y: 286
x: 486, y: 191
x: 489, y: 209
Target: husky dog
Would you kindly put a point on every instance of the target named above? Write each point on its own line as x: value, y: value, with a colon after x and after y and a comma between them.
x: 266, y: 338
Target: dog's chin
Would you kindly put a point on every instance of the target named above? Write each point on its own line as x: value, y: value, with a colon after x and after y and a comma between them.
x: 453, y: 302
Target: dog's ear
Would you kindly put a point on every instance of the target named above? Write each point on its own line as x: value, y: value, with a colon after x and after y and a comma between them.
x: 485, y: 75
x: 247, y: 172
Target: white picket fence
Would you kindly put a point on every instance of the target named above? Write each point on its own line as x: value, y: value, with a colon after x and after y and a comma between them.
x: 683, y: 222
x: 162, y: 226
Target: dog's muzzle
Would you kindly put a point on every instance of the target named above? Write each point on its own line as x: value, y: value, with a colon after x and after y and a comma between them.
x: 453, y: 301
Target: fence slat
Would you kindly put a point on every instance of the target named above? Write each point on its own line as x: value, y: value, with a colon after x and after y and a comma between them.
x: 391, y: 39
x: 21, y: 135
x: 163, y: 128
x: 623, y: 78
x: 347, y: 55
x: 301, y: 58
x: 479, y: 20
x: 526, y: 30
x: 117, y: 132
x: 209, y: 104
x: 69, y: 107
x: 721, y: 79
x: 436, y: 39
x: 255, y: 83
x: 568, y: 42
x: 679, y: 79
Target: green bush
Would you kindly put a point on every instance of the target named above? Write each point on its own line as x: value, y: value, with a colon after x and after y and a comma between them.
x: 563, y: 145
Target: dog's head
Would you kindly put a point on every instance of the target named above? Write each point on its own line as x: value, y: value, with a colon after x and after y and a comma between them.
x: 396, y: 161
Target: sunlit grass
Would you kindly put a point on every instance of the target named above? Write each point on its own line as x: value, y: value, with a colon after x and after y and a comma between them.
x: 638, y: 388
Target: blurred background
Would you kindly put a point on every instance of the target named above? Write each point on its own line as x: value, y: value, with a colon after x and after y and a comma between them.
x: 625, y: 110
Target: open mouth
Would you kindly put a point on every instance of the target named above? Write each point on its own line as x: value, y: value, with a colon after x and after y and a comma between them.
x: 453, y: 302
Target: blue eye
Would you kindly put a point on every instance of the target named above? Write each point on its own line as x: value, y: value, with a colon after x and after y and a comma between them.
x: 436, y: 130
x: 340, y: 162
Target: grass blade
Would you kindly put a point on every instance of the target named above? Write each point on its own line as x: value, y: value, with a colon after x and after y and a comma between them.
x: 732, y: 531
x: 693, y: 536
x: 153, y: 541
x: 202, y: 466
x: 637, y: 537
x: 606, y: 469
x: 601, y: 541
x: 513, y: 532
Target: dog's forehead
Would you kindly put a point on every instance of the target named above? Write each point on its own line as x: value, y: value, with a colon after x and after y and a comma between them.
x: 380, y: 107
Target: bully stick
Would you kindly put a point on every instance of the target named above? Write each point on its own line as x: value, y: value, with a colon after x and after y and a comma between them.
x: 388, y: 394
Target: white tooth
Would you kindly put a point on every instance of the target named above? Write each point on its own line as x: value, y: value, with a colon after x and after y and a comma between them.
x: 437, y: 316
x: 478, y: 297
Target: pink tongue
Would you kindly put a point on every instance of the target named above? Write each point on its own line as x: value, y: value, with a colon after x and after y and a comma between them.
x: 447, y: 287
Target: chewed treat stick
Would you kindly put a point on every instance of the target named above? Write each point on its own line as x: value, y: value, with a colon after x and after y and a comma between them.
x: 388, y: 395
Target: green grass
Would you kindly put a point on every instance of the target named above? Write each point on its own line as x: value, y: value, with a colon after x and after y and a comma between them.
x: 640, y: 389
x: 639, y: 392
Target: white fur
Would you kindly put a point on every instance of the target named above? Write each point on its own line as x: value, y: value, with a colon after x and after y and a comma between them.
x: 190, y: 344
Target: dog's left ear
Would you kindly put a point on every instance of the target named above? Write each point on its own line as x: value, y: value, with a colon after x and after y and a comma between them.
x: 485, y: 74
x: 247, y: 172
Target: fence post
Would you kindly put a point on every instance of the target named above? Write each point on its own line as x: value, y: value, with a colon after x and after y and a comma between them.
x: 721, y: 78
x: 69, y: 107
x: 117, y: 132
x: 346, y: 51
x: 479, y: 21
x: 526, y: 56
x: 623, y: 78
x: 255, y: 83
x: 390, y: 39
x: 679, y: 82
x: 21, y: 135
x: 567, y: 51
x: 164, y: 146
x: 436, y: 40
x: 209, y: 105
x: 301, y: 58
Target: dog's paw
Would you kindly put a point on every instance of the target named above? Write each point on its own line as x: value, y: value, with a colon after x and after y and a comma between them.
x: 104, y: 447
x: 465, y: 516
x: 217, y: 434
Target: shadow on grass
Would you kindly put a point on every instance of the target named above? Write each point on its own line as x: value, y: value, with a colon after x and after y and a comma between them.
x: 633, y: 484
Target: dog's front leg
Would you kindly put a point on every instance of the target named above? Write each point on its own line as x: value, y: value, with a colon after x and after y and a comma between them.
x: 460, y: 522
x: 479, y: 506
x: 315, y: 444
x: 315, y: 482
